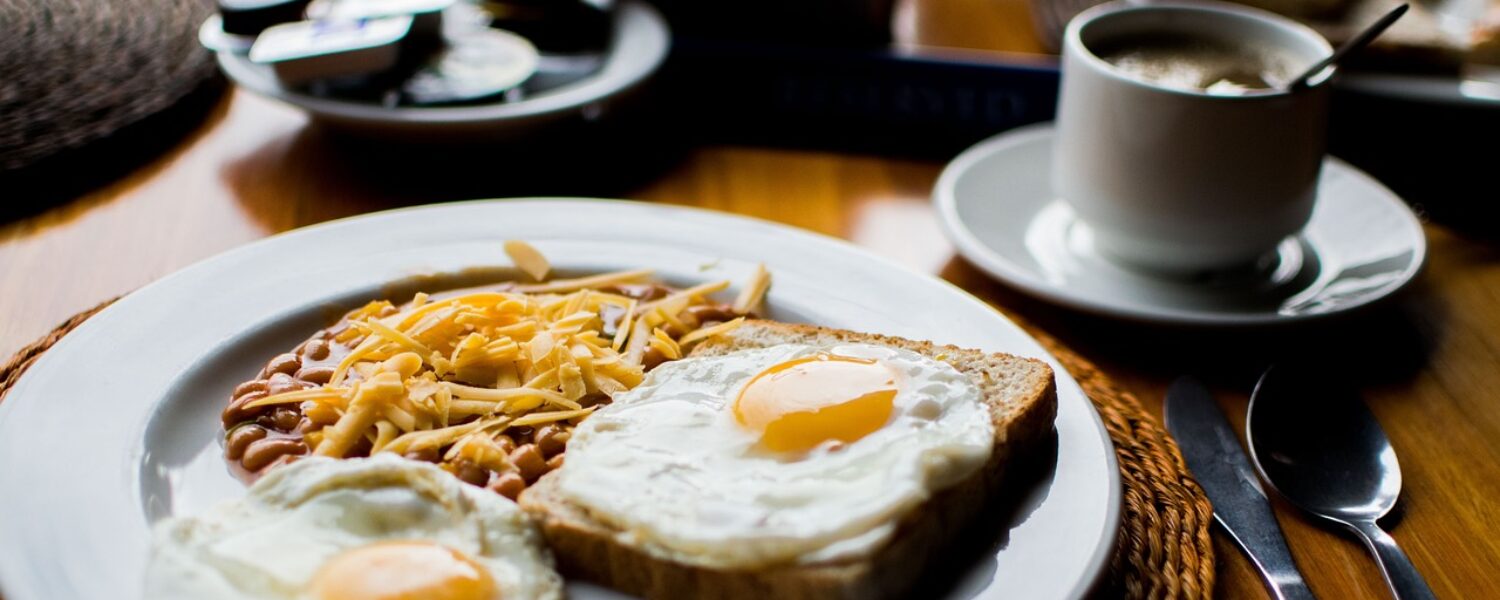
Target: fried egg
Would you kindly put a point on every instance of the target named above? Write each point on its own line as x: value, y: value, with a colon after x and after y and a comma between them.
x: 381, y: 528
x: 786, y: 454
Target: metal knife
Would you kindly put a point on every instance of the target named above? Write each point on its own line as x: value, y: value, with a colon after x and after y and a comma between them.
x: 1219, y: 464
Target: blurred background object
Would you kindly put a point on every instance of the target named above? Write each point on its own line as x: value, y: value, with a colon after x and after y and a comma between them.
x: 919, y: 78
x: 74, y: 73
x: 1052, y: 17
x: 554, y: 26
x: 836, y: 23
x: 850, y: 74
x: 469, y: 87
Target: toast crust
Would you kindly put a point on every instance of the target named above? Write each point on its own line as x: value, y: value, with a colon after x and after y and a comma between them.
x: 1021, y: 395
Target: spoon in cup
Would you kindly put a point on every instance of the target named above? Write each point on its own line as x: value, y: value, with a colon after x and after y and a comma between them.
x: 1320, y: 448
x: 1360, y: 40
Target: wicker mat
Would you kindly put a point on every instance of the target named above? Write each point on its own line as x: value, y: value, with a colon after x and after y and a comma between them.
x: 1164, y: 549
x: 77, y: 71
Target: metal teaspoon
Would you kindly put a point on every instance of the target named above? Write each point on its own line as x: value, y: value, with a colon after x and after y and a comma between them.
x: 1360, y: 40
x: 1321, y: 448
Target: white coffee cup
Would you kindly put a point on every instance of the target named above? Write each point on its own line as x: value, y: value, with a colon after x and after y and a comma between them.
x: 1178, y: 180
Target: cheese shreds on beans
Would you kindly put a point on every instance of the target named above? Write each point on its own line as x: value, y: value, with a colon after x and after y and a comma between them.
x: 486, y: 383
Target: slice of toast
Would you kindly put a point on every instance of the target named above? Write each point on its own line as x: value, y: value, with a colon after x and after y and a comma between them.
x: 1020, y: 392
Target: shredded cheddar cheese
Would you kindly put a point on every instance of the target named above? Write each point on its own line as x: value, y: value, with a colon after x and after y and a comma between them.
x: 452, y: 374
x: 526, y: 258
x: 488, y: 384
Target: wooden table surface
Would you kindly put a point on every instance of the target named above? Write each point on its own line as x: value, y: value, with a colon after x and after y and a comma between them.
x: 1428, y: 363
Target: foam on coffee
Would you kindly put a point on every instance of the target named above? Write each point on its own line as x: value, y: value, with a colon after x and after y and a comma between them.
x: 1197, y: 63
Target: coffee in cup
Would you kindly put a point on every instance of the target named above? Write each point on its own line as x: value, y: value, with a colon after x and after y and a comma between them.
x: 1198, y: 62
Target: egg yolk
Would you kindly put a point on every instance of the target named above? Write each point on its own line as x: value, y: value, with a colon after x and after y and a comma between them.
x: 801, y: 403
x: 406, y: 570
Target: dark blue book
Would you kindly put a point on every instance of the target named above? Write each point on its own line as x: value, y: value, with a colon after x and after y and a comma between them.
x: 926, y: 103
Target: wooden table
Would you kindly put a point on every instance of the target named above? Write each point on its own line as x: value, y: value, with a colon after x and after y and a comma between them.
x: 1428, y: 363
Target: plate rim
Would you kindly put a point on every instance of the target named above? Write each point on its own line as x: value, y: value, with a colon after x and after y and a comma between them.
x: 966, y: 240
x: 1095, y: 566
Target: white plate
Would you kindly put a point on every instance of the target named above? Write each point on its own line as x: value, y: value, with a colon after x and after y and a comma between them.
x: 639, y: 42
x: 117, y: 425
x: 996, y: 204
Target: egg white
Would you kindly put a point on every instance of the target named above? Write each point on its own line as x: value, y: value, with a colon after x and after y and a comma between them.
x: 669, y: 465
x: 270, y: 544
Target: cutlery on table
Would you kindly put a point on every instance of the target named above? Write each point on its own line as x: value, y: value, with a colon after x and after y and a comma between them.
x: 1319, y: 446
x: 1214, y: 455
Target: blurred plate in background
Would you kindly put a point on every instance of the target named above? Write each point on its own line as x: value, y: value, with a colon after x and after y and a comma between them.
x: 639, y: 42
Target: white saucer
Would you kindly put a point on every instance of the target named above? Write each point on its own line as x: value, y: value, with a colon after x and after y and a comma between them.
x: 996, y: 205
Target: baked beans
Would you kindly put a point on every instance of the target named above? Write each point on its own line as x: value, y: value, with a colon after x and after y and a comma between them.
x: 237, y: 412
x: 551, y: 439
x: 712, y: 313
x: 285, y: 364
x: 315, y: 375
x: 316, y: 349
x: 284, y: 419
x: 281, y: 383
x: 260, y: 438
x: 254, y: 385
x: 507, y: 484
x: 241, y: 437
x: 506, y: 443
x: 260, y: 453
x: 472, y: 474
x: 529, y: 462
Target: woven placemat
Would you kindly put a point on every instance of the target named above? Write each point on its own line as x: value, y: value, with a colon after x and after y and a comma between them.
x: 75, y: 71
x: 1164, y: 549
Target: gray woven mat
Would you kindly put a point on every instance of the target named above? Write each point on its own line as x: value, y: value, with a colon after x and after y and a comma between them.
x: 74, y: 71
